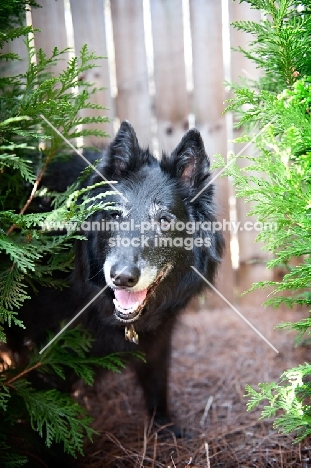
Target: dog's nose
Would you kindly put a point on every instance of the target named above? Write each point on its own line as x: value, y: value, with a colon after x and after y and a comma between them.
x: 124, y: 275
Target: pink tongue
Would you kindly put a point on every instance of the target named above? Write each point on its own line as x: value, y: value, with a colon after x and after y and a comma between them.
x: 127, y: 299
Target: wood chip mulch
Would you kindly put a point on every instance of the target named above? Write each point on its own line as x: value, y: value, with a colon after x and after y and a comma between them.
x: 215, y: 354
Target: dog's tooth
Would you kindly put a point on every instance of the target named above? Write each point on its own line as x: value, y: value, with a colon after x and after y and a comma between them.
x: 117, y: 305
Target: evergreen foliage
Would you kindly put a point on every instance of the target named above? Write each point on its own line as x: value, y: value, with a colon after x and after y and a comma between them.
x: 277, y: 180
x: 37, y: 107
x: 54, y: 415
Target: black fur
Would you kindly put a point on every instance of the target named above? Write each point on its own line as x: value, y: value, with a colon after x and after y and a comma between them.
x: 153, y: 191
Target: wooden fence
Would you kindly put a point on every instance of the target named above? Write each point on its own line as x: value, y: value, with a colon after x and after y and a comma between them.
x: 165, y: 71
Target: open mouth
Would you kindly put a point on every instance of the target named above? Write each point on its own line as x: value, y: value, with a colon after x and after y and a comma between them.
x: 129, y: 304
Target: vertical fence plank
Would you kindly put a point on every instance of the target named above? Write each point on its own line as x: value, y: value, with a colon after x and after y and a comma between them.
x: 133, y: 100
x: 208, y: 99
x: 171, y: 99
x: 252, y: 257
x: 50, y: 19
x: 89, y: 28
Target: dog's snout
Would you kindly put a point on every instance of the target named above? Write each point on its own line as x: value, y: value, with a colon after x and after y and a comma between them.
x: 124, y: 275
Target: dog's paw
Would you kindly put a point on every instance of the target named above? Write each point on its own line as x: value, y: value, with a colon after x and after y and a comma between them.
x: 166, y: 428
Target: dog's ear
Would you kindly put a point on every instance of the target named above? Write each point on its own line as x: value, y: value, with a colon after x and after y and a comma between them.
x: 123, y: 148
x: 190, y: 160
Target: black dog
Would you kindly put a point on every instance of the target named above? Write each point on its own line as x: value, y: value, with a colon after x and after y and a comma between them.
x: 138, y: 257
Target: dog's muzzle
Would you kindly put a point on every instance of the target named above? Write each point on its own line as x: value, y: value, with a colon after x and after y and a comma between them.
x: 129, y: 304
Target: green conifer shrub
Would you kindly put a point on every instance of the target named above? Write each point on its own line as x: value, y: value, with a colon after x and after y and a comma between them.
x: 277, y: 179
x: 40, y: 107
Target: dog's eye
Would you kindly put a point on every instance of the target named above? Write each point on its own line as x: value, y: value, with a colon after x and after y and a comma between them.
x: 116, y: 215
x: 165, y: 221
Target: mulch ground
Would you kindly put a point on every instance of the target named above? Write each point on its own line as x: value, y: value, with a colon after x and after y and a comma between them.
x: 215, y: 354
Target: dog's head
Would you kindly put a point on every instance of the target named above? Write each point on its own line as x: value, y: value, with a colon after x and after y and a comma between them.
x: 143, y: 246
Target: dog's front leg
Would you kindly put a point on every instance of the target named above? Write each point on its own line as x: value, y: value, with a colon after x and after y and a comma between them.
x: 153, y: 377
